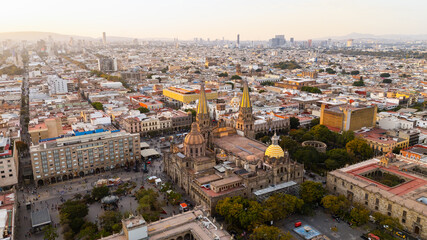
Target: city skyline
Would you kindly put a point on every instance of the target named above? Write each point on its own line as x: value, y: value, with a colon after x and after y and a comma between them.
x: 188, y: 19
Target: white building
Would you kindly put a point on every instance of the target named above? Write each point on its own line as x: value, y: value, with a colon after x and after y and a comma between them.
x: 57, y: 85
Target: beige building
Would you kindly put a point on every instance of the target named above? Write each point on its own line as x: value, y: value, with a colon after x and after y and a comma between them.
x: 137, y: 125
x: 191, y: 225
x: 350, y: 117
x: 405, y: 200
x: 9, y: 163
x: 77, y: 156
x: 50, y: 128
x: 227, y: 163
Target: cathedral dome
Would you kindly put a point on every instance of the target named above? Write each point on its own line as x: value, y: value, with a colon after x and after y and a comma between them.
x: 274, y: 150
x: 194, y: 137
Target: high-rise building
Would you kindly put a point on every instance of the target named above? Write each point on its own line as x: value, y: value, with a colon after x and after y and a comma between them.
x: 351, y: 117
x: 350, y: 43
x: 104, y: 38
x: 292, y: 40
x: 278, y: 41
x: 238, y: 40
x: 309, y: 42
x: 107, y: 64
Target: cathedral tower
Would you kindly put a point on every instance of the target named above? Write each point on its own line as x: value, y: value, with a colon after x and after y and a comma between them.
x: 202, y: 117
x: 245, y: 121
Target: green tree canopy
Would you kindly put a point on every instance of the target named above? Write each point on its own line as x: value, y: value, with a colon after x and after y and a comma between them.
x: 143, y: 110
x: 99, y: 192
x: 359, y: 148
x: 264, y: 232
x: 236, y: 77
x: 359, y: 214
x: 312, y: 192
x: 224, y: 74
x: 355, y: 72
x: 50, y: 233
x: 311, y: 89
x: 111, y: 221
x: 193, y: 112
x: 337, y: 158
x: 282, y: 205
x: 385, y: 75
x: 287, y: 65
x: 387, y: 80
x: 338, y: 205
x: 97, y: 105
x: 294, y: 122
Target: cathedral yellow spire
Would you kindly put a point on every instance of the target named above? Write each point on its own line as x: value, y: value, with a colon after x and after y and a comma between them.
x: 246, y: 101
x: 202, y: 107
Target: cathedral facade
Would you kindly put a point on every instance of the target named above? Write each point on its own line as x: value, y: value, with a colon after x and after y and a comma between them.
x: 214, y: 162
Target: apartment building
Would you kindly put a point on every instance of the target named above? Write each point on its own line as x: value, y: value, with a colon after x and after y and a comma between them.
x: 87, y: 153
x: 146, y: 124
x: 8, y: 163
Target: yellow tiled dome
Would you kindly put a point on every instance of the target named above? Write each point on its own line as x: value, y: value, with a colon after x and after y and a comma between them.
x: 274, y: 151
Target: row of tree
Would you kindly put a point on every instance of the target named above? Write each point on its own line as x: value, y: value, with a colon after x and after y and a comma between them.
x: 243, y: 214
x: 110, y: 78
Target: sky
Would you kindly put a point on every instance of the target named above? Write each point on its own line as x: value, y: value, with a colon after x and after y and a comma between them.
x: 215, y: 19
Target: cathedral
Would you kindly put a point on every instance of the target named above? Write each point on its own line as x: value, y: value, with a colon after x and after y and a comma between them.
x: 218, y: 160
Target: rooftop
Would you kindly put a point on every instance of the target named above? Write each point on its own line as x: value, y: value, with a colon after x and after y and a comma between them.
x: 241, y: 146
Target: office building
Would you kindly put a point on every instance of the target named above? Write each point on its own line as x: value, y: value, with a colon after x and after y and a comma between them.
x: 104, y: 38
x: 85, y: 153
x: 238, y: 41
x: 349, y: 117
x: 350, y: 43
x: 277, y: 41
x: 187, y: 94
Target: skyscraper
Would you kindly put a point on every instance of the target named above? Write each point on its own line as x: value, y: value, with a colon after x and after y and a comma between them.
x: 238, y: 40
x: 278, y: 41
x: 309, y: 42
x: 104, y: 38
x: 350, y: 43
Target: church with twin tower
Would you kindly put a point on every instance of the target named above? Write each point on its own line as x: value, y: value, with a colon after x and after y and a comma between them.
x: 221, y: 160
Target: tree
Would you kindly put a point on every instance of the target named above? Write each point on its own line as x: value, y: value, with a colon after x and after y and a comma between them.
x: 193, y: 112
x: 291, y: 65
x: 359, y: 83
x: 264, y: 232
x: 90, y: 232
x: 338, y: 205
x: 385, y: 75
x: 294, y: 122
x: 50, y: 233
x: 359, y: 214
x: 97, y: 105
x: 337, y: 158
x: 354, y: 72
x: 314, y: 122
x: 143, y: 110
x: 311, y: 89
x: 359, y: 148
x: 288, y: 144
x: 311, y: 192
x: 311, y: 158
x: 261, y: 91
x: 72, y: 214
x: 21, y: 146
x: 236, y: 77
x: 282, y: 205
x: 100, y: 192
x: 224, y: 74
x: 265, y: 139
x: 111, y: 221
x: 323, y: 134
x: 387, y: 80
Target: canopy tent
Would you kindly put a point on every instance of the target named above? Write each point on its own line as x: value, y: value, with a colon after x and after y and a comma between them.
x: 149, y: 153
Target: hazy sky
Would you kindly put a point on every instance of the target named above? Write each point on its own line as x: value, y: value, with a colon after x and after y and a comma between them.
x: 214, y: 19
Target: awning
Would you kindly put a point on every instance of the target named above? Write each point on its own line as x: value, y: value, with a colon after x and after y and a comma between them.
x: 149, y: 152
x: 40, y: 218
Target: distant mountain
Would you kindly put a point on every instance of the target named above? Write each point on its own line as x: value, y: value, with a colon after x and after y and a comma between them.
x: 378, y: 37
x: 35, y: 36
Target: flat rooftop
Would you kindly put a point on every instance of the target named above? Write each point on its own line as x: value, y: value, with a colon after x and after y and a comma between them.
x: 241, y: 146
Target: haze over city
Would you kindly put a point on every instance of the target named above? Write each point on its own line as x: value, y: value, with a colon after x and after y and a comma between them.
x: 254, y: 20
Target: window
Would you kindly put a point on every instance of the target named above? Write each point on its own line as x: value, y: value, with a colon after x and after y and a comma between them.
x: 366, y: 196
x: 404, y: 214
